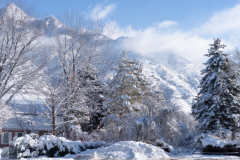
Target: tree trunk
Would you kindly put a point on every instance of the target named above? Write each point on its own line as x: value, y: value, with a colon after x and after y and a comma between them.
x: 53, y: 121
x: 66, y: 128
x: 233, y: 135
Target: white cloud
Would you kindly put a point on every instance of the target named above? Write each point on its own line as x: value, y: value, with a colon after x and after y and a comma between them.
x: 112, y: 30
x: 222, y: 23
x: 167, y: 23
x: 153, y: 42
x: 165, y: 37
x: 162, y: 38
x: 100, y: 12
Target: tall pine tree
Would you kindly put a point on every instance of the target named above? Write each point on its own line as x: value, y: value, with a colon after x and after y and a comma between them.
x: 126, y: 87
x: 217, y: 106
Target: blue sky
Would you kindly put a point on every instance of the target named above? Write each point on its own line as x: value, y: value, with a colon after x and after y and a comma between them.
x: 141, y: 14
x: 185, y: 27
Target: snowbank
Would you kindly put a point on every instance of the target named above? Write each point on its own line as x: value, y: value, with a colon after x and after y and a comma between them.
x: 217, y: 142
x: 213, y: 141
x: 125, y: 150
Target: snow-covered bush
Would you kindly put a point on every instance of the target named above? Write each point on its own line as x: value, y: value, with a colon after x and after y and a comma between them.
x: 26, y: 146
x: 4, y: 152
x: 174, y: 125
x: 187, y: 142
x: 208, y: 140
x: 50, y: 146
x: 118, y: 128
x: 160, y: 143
x: 144, y: 129
x: 168, y: 124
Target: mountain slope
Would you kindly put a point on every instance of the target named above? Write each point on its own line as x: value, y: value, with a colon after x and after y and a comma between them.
x: 179, y: 84
x: 176, y: 76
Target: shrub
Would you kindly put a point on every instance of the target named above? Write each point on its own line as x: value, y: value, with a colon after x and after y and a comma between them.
x: 50, y: 146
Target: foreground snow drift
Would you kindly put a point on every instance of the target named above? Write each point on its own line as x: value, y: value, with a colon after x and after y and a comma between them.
x: 125, y: 150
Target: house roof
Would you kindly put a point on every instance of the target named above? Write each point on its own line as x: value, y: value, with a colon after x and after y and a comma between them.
x: 27, y: 116
x: 36, y: 123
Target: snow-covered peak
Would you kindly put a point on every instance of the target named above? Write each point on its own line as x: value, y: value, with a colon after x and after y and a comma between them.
x: 13, y: 7
x: 14, y: 12
x: 120, y: 39
x: 52, y: 21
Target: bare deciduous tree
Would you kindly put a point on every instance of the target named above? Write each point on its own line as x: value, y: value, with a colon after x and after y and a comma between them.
x: 79, y: 47
x: 20, y: 50
x: 51, y: 108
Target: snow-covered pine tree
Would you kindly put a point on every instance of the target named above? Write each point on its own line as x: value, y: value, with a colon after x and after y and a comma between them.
x: 126, y: 87
x: 217, y: 106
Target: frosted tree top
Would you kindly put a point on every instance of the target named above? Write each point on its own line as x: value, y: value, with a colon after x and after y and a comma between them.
x: 214, y: 49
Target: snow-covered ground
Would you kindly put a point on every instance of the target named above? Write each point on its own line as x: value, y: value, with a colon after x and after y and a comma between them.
x: 197, y: 156
x: 46, y: 158
x: 0, y: 153
x: 184, y: 156
x: 131, y: 150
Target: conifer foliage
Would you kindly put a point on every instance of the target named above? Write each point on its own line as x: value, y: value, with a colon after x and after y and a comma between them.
x: 126, y: 87
x: 94, y: 99
x: 217, y: 106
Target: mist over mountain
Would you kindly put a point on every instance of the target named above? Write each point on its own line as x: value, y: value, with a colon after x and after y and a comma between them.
x: 174, y: 75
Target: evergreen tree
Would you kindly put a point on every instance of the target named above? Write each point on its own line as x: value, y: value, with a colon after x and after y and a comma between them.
x: 126, y: 87
x: 217, y: 106
x: 94, y: 99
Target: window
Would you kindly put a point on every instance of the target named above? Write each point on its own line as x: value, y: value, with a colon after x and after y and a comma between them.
x: 47, y: 133
x: 6, y: 137
x: 20, y: 134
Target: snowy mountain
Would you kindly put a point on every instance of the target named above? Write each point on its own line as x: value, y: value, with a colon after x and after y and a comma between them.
x: 176, y: 76
x: 16, y: 13
x: 52, y: 21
